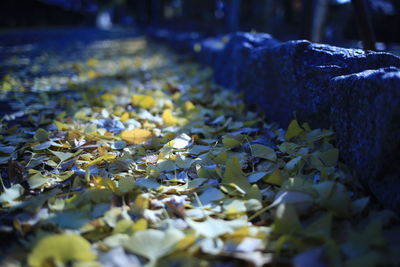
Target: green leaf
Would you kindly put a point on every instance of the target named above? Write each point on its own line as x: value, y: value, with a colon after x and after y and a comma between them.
x: 295, y: 164
x: 234, y: 174
x: 264, y: 152
x: 293, y: 130
x: 230, y: 142
x: 167, y: 166
x: 321, y: 228
x: 63, y: 156
x: 126, y: 184
x: 330, y: 157
x: 147, y: 183
x: 333, y: 196
x: 274, y: 178
x: 198, y: 149
x: 37, y: 180
x: 41, y: 135
x: 286, y: 220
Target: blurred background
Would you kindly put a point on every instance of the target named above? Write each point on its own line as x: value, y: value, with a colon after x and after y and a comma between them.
x: 372, y: 24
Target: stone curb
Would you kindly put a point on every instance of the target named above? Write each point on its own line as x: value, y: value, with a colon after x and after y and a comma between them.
x: 354, y: 91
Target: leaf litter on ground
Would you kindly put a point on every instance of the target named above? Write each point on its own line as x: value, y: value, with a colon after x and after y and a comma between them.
x: 138, y: 159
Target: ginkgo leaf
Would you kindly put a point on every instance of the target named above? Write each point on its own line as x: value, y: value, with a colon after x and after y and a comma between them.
x: 143, y: 101
x: 136, y: 136
x: 60, y: 249
x: 41, y: 135
x: 101, y: 159
x: 210, y: 195
x: 333, y: 196
x: 189, y: 106
x: 12, y: 193
x: 256, y: 176
x: 293, y: 130
x: 199, y: 149
x: 180, y: 142
x: 153, y: 244
x: 63, y: 156
x: 264, y: 152
x: 292, y: 197
x: 274, y: 178
x: 37, y: 180
x: 330, y: 157
x: 168, y: 118
x: 126, y: 184
x: 230, y: 142
x: 234, y: 174
x: 286, y: 220
x: 211, y: 228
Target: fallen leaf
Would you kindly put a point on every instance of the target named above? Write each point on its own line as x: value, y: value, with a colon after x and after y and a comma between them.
x: 143, y: 101
x: 60, y: 249
x: 168, y: 118
x: 136, y: 136
x: 293, y: 130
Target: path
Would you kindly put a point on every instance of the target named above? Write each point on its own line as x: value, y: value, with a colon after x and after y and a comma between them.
x: 119, y: 152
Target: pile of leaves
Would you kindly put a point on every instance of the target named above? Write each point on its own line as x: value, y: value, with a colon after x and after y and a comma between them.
x: 131, y: 156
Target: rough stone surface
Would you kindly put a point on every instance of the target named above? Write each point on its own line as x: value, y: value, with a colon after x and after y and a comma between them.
x: 235, y: 55
x: 292, y: 79
x: 355, y: 91
x: 365, y: 112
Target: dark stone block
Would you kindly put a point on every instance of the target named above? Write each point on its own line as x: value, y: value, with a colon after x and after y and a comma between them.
x: 235, y: 55
x: 365, y: 113
x: 293, y: 78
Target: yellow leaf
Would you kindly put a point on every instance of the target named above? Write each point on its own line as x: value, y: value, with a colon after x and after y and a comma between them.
x: 143, y: 101
x: 168, y: 118
x: 92, y: 74
x: 142, y: 202
x: 100, y: 159
x: 168, y: 104
x: 61, y: 126
x: 293, y: 130
x: 189, y: 106
x: 125, y: 116
x: 186, y: 242
x: 139, y: 225
x: 92, y: 62
x: 136, y: 136
x: 107, y: 97
x: 176, y: 96
x: 61, y: 249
